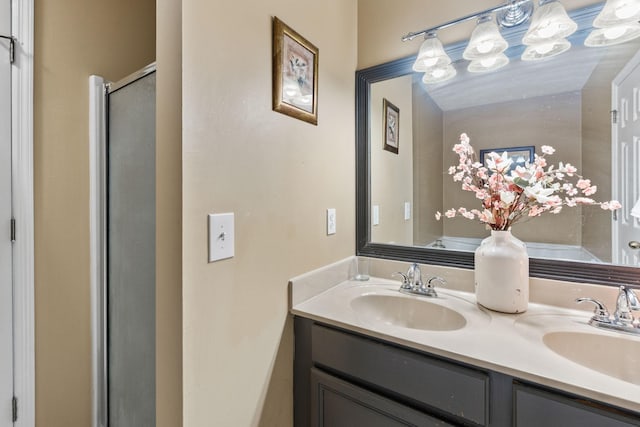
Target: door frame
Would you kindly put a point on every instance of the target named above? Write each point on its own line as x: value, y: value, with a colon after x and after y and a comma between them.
x: 22, y: 24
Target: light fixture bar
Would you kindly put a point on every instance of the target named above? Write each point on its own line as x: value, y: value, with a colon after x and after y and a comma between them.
x: 511, y: 4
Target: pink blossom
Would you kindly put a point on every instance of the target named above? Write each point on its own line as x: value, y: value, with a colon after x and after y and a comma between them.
x: 468, y: 215
x: 438, y: 216
x: 584, y: 201
x: 547, y: 149
x: 452, y: 170
x: 450, y: 213
x: 583, y: 184
x: 611, y: 205
x: 591, y: 190
x: 535, y: 211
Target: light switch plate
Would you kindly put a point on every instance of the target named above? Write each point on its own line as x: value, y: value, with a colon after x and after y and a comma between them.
x: 331, y: 221
x: 407, y: 210
x: 221, y: 236
x: 375, y: 214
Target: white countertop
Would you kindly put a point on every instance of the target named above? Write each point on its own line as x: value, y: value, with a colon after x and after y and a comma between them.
x: 507, y: 343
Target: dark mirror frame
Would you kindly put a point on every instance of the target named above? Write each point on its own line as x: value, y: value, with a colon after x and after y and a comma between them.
x: 606, y: 274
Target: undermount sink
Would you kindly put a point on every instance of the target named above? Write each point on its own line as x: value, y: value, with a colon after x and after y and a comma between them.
x: 407, y: 312
x: 611, y: 355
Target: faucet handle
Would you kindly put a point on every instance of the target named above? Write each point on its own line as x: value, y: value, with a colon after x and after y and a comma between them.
x: 438, y: 279
x: 405, y: 280
x: 600, y: 312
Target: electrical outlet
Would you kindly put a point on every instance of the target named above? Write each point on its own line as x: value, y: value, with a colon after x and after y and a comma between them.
x: 331, y: 221
x: 375, y: 214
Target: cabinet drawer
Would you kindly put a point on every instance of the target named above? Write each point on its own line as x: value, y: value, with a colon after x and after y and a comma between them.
x: 535, y: 407
x: 337, y: 403
x: 442, y: 386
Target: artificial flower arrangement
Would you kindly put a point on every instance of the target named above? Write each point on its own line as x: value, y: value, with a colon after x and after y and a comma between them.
x: 509, y: 194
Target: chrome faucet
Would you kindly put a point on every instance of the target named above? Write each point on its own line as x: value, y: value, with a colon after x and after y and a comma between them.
x: 412, y: 282
x: 622, y: 319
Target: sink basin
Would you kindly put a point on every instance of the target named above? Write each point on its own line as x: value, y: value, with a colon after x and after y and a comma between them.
x: 611, y: 355
x: 407, y: 312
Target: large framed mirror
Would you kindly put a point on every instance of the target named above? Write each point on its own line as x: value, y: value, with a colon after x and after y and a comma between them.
x: 570, y: 102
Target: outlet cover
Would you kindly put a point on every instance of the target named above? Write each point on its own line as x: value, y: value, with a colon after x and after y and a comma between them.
x: 331, y: 221
x: 375, y: 213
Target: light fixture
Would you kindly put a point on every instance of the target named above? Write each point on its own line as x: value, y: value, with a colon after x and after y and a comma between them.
x: 485, y: 65
x: 613, y: 35
x: 431, y: 54
x: 439, y: 74
x: 550, y: 22
x: 486, y: 40
x: 635, y: 211
x: 616, y: 12
x: 616, y: 23
x: 545, y: 50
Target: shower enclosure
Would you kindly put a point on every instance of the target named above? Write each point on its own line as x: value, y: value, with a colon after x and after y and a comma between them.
x: 123, y: 249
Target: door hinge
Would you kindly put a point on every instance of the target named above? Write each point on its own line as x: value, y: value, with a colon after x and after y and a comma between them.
x: 12, y: 47
x: 14, y: 406
x: 13, y: 230
x: 614, y: 116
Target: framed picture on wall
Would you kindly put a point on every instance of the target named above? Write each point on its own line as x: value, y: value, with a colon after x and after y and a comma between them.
x: 295, y: 74
x: 519, y: 155
x: 391, y: 124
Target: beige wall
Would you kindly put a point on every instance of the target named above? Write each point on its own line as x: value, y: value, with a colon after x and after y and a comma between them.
x: 427, y: 164
x: 73, y: 40
x: 278, y: 175
x: 169, y: 214
x: 392, y: 174
x: 510, y: 124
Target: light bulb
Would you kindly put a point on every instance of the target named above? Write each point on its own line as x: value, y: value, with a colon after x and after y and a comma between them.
x: 429, y: 62
x: 488, y: 62
x: 613, y: 33
x: 544, y: 48
x: 485, y: 46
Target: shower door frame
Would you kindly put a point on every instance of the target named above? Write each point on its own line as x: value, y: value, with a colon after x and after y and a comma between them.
x: 99, y: 90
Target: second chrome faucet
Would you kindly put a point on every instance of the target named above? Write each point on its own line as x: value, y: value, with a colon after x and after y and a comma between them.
x: 622, y: 319
x: 412, y: 282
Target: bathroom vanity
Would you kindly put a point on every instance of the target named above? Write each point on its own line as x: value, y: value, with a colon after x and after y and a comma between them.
x: 366, y: 355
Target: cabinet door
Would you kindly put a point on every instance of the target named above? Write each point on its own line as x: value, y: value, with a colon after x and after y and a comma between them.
x: 534, y: 407
x: 337, y: 403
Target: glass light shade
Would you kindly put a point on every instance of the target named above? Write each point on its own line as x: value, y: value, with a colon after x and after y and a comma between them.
x: 431, y: 54
x: 488, y: 64
x: 545, y: 50
x: 613, y: 35
x: 439, y: 74
x: 485, y: 40
x: 616, y: 12
x: 550, y: 22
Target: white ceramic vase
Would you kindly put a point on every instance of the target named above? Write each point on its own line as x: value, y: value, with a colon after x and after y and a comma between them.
x: 502, y: 273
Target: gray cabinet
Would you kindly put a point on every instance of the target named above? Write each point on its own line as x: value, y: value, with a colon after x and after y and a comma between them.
x: 338, y: 403
x: 343, y: 378
x: 534, y: 407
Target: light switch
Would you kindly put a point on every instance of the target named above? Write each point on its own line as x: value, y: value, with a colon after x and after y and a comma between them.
x: 407, y: 210
x: 221, y: 236
x: 331, y: 221
x: 375, y: 215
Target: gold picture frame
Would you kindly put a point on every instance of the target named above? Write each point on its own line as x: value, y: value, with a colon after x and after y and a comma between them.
x: 391, y: 126
x: 295, y: 74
